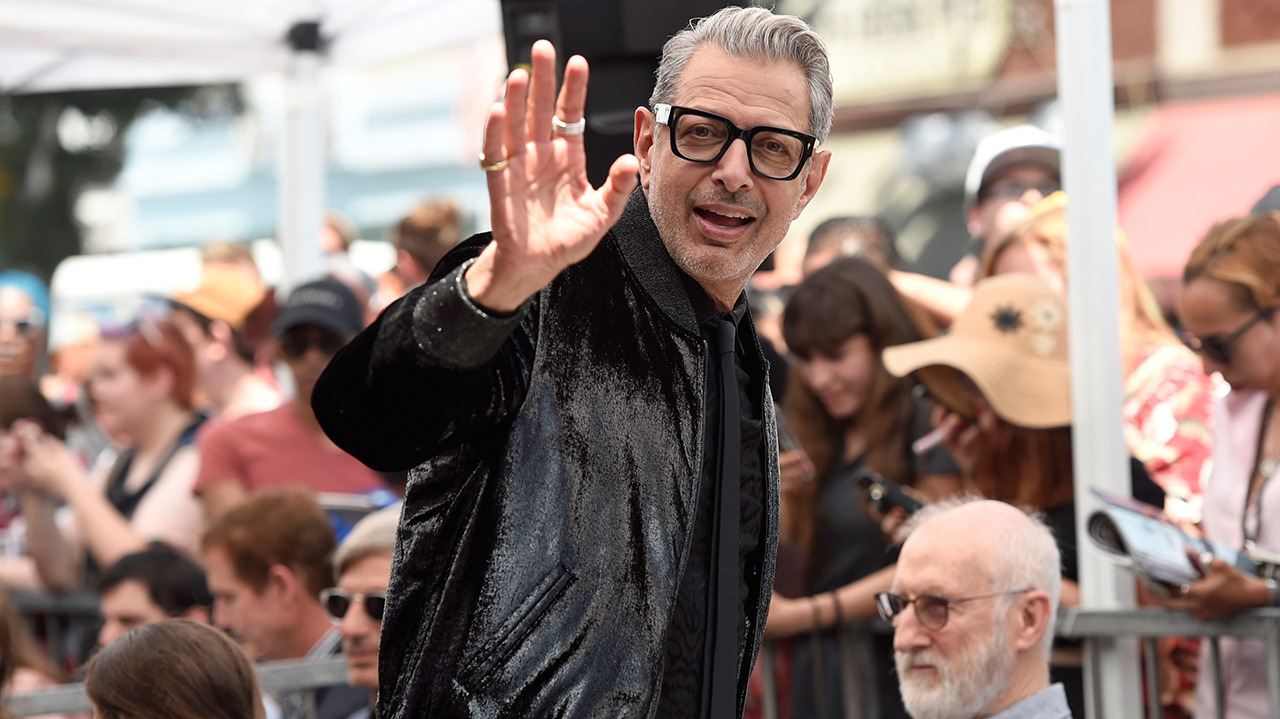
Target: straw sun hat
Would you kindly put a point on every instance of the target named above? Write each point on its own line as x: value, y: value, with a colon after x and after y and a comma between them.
x: 1011, y: 341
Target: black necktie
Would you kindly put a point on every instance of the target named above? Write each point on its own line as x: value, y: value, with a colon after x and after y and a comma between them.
x: 725, y: 603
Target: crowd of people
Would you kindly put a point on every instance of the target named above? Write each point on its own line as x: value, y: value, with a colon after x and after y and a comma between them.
x: 183, y: 476
x: 188, y: 474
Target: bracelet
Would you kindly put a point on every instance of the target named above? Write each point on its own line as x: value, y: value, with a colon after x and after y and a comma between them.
x: 817, y: 614
x: 835, y: 602
x: 1273, y: 592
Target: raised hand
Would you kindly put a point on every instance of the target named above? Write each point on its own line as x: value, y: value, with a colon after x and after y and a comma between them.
x: 544, y: 213
x: 47, y: 464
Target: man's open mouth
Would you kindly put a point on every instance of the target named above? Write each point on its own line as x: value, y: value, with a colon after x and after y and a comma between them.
x: 727, y: 219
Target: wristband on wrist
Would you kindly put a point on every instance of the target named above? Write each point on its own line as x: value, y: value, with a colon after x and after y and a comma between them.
x: 817, y: 613
x: 1273, y: 592
x: 835, y: 602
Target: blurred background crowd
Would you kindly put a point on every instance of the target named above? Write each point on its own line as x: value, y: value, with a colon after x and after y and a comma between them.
x: 157, y: 351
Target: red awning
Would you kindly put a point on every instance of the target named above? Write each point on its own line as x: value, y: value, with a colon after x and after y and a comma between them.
x: 1192, y: 165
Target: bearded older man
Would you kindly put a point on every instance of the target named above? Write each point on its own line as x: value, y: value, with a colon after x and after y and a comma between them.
x: 983, y: 579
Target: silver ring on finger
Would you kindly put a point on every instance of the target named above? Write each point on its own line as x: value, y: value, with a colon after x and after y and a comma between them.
x: 566, y: 129
x: 1184, y: 590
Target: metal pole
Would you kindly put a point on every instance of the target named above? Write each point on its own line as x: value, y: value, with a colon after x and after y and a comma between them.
x: 301, y: 177
x: 1085, y: 87
x: 1273, y: 672
x: 1151, y: 659
x: 1215, y: 669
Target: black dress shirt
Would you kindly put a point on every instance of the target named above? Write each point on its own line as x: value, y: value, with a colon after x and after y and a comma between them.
x: 684, y: 670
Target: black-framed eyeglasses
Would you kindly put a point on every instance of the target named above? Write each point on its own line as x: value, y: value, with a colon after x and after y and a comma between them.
x: 337, y: 602
x: 1218, y: 349
x: 932, y: 612
x: 697, y: 136
x: 297, y: 341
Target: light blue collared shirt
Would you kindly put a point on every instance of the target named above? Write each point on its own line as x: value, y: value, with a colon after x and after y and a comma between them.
x: 1050, y: 703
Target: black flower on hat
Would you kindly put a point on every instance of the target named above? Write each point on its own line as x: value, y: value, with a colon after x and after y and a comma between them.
x: 1007, y: 319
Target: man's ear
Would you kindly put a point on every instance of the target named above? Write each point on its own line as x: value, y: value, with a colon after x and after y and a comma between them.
x: 223, y: 343
x: 644, y: 143
x: 1030, y: 618
x: 197, y: 613
x: 283, y: 583
x: 973, y: 221
x: 813, y: 179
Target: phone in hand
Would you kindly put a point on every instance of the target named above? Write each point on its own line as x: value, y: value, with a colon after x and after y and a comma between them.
x: 885, y: 494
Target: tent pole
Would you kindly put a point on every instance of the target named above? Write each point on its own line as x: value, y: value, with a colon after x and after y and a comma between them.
x: 1085, y: 88
x: 302, y: 168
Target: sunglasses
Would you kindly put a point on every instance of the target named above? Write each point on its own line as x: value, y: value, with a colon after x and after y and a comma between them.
x: 1218, y: 349
x: 932, y: 612
x: 296, y: 344
x: 338, y: 601
x: 1011, y: 188
x: 26, y: 326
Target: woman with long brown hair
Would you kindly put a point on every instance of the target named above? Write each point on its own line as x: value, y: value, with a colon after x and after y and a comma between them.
x: 174, y: 669
x: 850, y: 416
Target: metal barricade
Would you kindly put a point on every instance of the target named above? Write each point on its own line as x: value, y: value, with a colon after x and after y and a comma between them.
x: 1150, y: 624
x: 855, y: 657
x: 860, y: 698
x: 272, y: 676
x: 68, y: 621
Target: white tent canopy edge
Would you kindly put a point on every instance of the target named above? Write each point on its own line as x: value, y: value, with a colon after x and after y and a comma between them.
x: 54, y: 45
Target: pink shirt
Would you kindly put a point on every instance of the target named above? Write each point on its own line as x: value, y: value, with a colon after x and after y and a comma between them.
x: 1236, y: 423
x: 275, y: 449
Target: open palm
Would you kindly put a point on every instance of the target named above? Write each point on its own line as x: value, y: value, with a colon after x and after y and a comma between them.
x: 544, y: 213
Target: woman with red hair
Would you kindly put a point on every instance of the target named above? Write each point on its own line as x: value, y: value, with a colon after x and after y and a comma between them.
x: 143, y: 389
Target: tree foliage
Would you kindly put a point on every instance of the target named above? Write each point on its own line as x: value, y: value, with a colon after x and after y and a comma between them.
x: 43, y: 169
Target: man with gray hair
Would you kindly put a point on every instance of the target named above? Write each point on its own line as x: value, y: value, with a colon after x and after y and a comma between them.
x: 982, y: 579
x: 591, y: 523
x: 362, y: 570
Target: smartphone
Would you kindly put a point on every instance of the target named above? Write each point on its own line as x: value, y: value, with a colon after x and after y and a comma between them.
x: 885, y: 494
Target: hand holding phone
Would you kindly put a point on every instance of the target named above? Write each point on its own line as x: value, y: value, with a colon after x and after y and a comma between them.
x: 885, y: 494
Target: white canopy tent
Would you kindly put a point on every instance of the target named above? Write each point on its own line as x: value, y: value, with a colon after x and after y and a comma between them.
x: 50, y: 45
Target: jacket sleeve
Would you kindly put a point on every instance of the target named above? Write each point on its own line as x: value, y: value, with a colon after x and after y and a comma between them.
x: 434, y: 368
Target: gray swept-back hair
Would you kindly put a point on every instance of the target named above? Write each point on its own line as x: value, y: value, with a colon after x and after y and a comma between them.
x: 1027, y: 556
x: 753, y: 32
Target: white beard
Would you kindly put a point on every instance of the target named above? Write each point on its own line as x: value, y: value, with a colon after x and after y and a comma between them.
x: 965, y: 685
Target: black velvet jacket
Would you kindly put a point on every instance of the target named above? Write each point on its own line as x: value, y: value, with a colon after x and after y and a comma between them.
x: 558, y: 456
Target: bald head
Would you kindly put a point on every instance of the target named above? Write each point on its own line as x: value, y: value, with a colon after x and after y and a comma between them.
x: 991, y: 541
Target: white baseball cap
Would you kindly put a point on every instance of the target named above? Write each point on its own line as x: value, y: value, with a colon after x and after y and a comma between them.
x: 998, y: 151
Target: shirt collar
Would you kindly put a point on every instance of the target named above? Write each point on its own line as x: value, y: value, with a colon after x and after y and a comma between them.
x: 1050, y: 703
x: 704, y: 310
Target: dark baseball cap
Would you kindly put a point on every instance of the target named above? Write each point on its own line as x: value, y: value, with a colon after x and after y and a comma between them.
x: 326, y: 304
